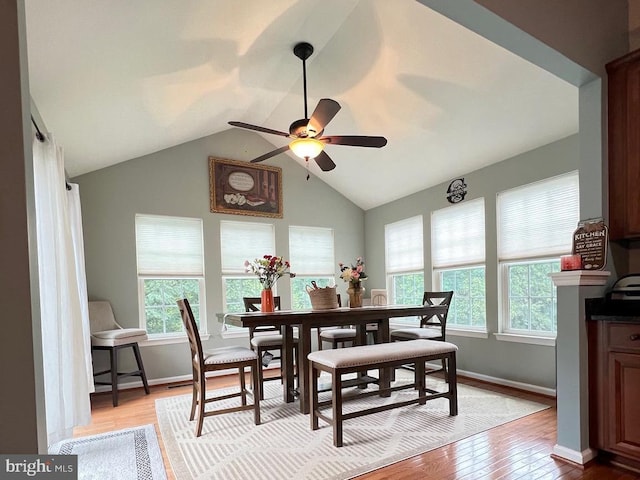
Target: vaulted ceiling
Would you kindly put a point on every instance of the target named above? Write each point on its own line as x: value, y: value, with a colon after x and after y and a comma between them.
x: 115, y: 80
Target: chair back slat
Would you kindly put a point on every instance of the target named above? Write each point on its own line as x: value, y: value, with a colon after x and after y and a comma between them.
x: 191, y: 327
x: 440, y: 319
x: 252, y: 304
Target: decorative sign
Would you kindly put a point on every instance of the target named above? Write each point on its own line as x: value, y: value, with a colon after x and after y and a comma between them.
x: 241, y: 188
x: 590, y: 241
x: 457, y: 190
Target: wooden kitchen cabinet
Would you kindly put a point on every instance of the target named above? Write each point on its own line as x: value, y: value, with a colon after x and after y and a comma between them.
x: 624, y: 146
x: 614, y: 375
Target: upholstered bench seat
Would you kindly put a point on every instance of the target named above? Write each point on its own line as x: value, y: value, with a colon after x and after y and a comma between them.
x: 378, y: 356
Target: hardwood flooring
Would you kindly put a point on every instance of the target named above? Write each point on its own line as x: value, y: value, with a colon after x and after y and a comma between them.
x: 517, y: 450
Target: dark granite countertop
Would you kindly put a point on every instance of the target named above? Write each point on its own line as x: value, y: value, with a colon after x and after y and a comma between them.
x: 604, y: 309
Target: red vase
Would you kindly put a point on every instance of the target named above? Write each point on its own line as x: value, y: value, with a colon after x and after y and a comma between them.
x: 266, y: 301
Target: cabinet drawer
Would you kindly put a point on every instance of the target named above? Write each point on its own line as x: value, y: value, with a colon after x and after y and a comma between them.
x: 626, y: 336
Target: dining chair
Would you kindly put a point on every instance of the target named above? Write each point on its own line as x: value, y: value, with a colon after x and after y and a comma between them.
x: 432, y: 327
x: 266, y: 339
x: 107, y: 334
x: 336, y: 335
x: 341, y: 336
x: 222, y: 358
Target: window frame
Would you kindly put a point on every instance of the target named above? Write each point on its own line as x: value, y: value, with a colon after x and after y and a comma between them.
x: 391, y: 271
x: 172, y: 337
x: 327, y: 272
x: 460, y: 258
x: 534, y: 254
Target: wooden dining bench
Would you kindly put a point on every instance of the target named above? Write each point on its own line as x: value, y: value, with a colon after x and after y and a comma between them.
x: 369, y: 357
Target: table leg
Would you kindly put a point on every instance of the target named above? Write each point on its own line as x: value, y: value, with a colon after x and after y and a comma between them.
x: 304, y: 380
x: 385, y: 373
x: 361, y: 339
x: 287, y: 363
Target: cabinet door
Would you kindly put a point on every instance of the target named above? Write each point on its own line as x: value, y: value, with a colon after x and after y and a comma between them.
x: 624, y: 147
x: 623, y: 430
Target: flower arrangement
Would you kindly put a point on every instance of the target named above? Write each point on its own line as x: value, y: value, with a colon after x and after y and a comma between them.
x: 353, y: 274
x: 269, y: 269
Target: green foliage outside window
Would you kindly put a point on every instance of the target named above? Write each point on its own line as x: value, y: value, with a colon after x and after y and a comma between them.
x: 238, y: 288
x: 299, y: 296
x: 532, y: 297
x: 160, y: 307
x: 408, y: 289
x: 468, y: 307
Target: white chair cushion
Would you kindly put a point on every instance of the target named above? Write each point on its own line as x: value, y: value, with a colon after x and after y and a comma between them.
x: 416, y: 333
x: 119, y: 336
x: 338, y: 333
x: 268, y: 341
x: 228, y: 354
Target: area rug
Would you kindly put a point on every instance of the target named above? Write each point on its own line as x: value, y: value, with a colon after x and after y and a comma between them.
x: 284, y: 447
x: 129, y: 454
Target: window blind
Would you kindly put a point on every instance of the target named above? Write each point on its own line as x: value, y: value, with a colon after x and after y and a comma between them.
x: 457, y: 235
x: 311, y: 251
x: 538, y: 219
x: 169, y: 245
x: 240, y: 241
x: 404, y: 245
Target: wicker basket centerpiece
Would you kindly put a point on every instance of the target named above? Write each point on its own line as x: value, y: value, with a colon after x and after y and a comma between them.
x: 322, y: 298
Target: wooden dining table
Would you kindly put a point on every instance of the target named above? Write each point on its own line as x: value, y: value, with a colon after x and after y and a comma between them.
x: 306, y: 320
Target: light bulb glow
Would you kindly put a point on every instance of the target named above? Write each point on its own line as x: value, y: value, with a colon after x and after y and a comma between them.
x: 306, y: 147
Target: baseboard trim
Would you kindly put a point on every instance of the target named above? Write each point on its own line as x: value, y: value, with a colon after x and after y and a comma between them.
x: 549, y: 392
x: 573, y: 456
x: 170, y: 380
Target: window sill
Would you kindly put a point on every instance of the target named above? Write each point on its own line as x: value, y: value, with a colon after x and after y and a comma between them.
x: 168, y: 340
x: 235, y: 333
x: 532, y: 340
x: 467, y: 333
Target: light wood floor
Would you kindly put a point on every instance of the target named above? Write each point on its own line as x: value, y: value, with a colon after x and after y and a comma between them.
x: 517, y: 450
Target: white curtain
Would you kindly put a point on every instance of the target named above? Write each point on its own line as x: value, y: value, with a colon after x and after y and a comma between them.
x: 63, y: 295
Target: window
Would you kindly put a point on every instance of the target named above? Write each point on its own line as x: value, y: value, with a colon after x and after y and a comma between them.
x: 404, y: 261
x: 312, y: 258
x: 458, y: 256
x: 241, y: 241
x: 170, y: 262
x: 535, y: 227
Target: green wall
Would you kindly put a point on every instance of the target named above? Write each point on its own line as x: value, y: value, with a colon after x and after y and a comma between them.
x: 532, y: 364
x: 175, y: 182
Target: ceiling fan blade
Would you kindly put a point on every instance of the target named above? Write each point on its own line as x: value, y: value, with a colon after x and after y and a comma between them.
x: 258, y: 129
x: 324, y: 162
x: 355, y: 140
x: 323, y: 114
x: 272, y: 153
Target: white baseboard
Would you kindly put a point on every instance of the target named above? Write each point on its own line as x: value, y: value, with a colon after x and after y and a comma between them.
x: 573, y: 456
x: 170, y: 380
x: 550, y: 392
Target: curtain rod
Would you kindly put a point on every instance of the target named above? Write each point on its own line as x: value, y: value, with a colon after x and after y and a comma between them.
x: 42, y: 138
x: 39, y: 134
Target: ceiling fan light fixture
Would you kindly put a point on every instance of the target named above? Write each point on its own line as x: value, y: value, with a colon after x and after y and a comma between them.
x: 306, y: 147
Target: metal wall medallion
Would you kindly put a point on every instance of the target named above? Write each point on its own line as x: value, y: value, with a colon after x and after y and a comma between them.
x: 457, y: 190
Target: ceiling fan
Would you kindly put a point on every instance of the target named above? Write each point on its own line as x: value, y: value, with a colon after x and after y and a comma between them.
x: 306, y: 134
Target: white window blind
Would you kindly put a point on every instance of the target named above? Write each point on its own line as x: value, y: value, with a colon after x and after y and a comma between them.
x: 311, y: 251
x: 169, y: 245
x: 404, y: 245
x: 457, y: 235
x: 240, y: 241
x: 538, y: 219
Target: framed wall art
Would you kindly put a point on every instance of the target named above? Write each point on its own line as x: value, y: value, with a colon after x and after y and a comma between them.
x: 242, y: 188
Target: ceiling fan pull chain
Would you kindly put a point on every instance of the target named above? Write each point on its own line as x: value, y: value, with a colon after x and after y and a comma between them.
x: 306, y: 159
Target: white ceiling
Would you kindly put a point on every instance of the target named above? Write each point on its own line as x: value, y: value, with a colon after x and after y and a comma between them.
x: 115, y: 80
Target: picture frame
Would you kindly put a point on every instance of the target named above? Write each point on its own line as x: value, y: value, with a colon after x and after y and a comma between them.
x: 242, y: 188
